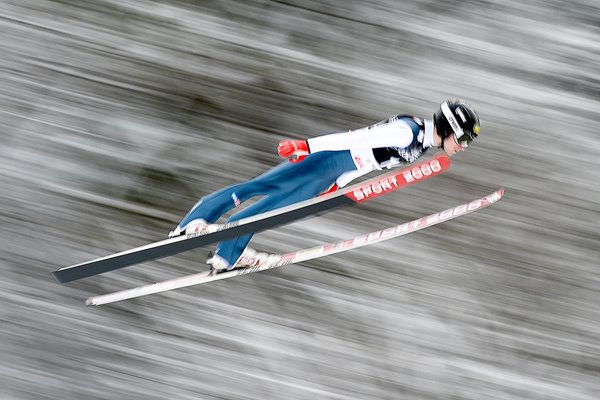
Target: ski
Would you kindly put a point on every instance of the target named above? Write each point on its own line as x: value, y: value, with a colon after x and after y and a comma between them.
x: 358, y: 193
x: 354, y: 194
x: 275, y: 261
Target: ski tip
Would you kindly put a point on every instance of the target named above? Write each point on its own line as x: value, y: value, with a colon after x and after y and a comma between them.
x: 499, y: 193
x: 445, y: 158
x: 495, y: 196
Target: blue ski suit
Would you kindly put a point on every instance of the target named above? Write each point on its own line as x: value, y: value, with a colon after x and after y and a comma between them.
x: 335, y: 158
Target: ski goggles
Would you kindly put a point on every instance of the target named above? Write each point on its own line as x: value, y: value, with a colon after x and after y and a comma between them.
x: 461, y: 136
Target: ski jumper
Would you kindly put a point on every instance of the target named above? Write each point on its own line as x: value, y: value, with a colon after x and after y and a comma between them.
x: 335, y: 158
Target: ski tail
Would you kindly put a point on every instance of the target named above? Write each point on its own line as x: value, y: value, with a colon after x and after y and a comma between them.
x: 305, y: 254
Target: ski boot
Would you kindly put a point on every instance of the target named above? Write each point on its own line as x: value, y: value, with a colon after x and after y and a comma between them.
x: 252, y: 258
x: 217, y: 263
x: 195, y: 226
x: 249, y: 258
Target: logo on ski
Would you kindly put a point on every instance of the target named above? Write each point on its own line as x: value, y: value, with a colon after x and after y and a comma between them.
x: 375, y: 189
x: 389, y: 183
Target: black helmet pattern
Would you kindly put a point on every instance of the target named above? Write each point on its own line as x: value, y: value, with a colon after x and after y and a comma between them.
x: 457, y: 117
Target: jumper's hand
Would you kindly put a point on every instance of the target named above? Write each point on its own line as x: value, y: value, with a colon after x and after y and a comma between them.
x: 294, y: 150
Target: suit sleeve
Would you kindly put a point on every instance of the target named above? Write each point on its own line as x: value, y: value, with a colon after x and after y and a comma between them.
x: 392, y: 134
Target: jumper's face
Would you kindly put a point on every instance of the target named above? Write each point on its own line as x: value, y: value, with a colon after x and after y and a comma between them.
x: 451, y: 145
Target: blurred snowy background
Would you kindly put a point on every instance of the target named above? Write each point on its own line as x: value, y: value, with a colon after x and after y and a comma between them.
x: 118, y: 115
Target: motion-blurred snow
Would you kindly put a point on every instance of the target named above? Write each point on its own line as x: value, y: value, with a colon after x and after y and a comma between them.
x: 118, y: 115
